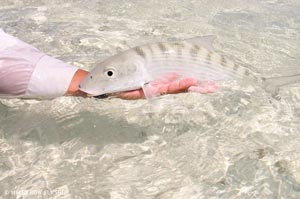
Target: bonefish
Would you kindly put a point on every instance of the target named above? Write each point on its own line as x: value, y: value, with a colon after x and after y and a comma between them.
x: 194, y: 58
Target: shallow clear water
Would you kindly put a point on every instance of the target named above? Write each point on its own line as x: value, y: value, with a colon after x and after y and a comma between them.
x: 237, y: 143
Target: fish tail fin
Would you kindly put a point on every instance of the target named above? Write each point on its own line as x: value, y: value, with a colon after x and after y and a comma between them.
x: 273, y: 84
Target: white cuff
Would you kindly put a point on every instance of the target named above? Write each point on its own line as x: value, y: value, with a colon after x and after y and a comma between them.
x: 51, y: 78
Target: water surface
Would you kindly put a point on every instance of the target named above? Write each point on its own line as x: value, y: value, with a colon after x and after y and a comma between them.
x: 236, y: 143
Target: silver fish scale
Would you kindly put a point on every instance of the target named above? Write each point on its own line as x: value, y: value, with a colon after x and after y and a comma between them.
x: 163, y: 58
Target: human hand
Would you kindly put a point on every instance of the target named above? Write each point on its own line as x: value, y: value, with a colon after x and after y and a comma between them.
x: 73, y: 88
x: 170, y: 85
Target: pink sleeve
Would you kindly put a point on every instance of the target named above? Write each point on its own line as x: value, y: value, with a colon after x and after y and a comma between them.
x: 26, y: 72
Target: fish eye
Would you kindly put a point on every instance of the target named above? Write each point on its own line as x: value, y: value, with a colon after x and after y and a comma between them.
x: 110, y: 73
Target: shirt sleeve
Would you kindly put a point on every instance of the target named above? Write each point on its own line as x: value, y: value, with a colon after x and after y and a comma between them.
x: 51, y: 78
x: 26, y: 72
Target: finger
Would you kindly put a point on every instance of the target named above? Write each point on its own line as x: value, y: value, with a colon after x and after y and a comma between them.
x: 166, y: 88
x: 180, y: 86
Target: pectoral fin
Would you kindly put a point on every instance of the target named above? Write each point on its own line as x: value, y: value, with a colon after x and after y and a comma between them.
x: 150, y: 91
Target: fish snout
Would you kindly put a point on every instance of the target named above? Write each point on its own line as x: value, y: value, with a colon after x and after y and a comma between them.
x: 91, y: 91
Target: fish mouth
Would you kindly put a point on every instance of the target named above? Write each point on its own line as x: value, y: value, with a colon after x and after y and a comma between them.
x: 111, y: 95
x: 107, y: 95
x: 91, y: 92
x: 102, y: 96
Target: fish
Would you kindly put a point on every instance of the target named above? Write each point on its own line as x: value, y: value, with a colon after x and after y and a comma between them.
x: 196, y: 58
